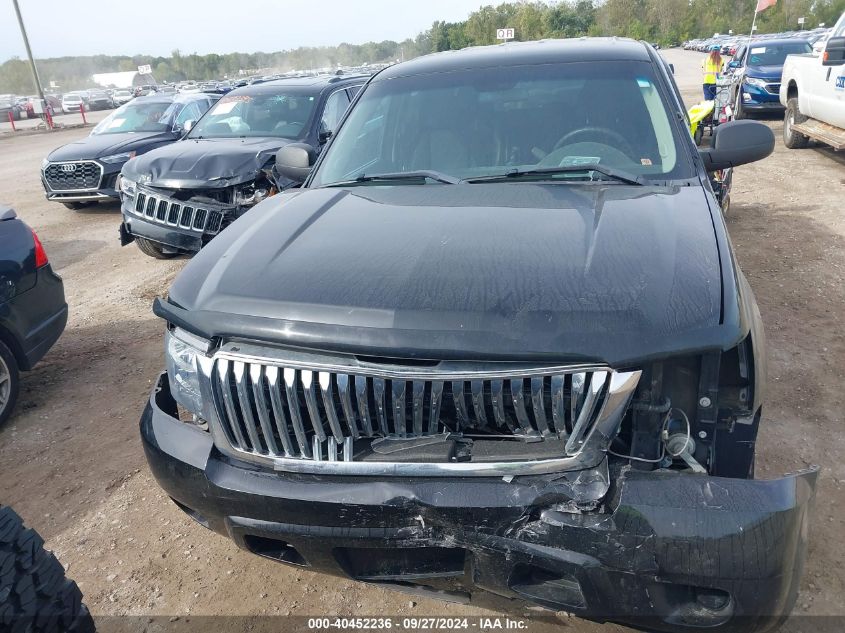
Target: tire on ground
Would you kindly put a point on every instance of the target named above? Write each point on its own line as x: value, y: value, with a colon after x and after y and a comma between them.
x: 791, y: 138
x: 9, y: 385
x: 35, y: 595
x: 148, y: 247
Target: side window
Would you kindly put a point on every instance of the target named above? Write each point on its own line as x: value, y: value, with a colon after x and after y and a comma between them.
x: 840, y: 32
x: 190, y: 112
x: 335, y: 106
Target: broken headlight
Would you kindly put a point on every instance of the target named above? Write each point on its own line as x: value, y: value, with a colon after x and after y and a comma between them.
x: 249, y: 195
x: 181, y: 351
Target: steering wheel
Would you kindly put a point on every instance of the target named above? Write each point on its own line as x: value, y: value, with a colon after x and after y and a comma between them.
x: 620, y: 141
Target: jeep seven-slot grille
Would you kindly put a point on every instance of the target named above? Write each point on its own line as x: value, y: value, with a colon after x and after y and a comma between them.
x: 73, y: 176
x: 174, y: 213
x: 276, y: 411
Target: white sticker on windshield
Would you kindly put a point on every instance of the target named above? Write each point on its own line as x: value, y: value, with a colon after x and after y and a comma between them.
x: 116, y: 123
x: 577, y: 161
x: 758, y: 51
x: 225, y: 108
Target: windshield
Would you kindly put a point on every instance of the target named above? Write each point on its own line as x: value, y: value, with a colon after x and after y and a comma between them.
x: 281, y: 115
x: 139, y: 116
x: 775, y: 54
x: 493, y: 121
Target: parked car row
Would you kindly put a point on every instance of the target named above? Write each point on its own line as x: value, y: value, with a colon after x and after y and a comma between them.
x: 729, y: 44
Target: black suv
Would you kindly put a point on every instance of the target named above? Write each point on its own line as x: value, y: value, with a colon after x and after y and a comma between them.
x: 496, y: 344
x: 86, y: 170
x: 178, y: 198
x: 33, y: 312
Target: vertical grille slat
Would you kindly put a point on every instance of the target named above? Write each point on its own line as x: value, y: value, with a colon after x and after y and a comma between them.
x: 461, y: 413
x: 241, y: 377
x: 275, y: 412
x: 519, y: 405
x: 363, y: 405
x: 275, y: 388
x: 234, y: 426
x: 293, y: 408
x: 538, y: 405
x: 325, y: 380
x: 434, y: 407
x: 418, y: 405
x: 559, y: 404
x: 597, y: 380
x: 381, y: 413
x: 309, y: 388
x: 477, y: 389
x: 262, y: 409
x: 344, y: 388
x: 398, y: 399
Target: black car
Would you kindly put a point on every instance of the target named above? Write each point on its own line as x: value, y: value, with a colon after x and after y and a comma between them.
x: 86, y: 171
x: 33, y: 312
x: 177, y: 198
x: 487, y: 350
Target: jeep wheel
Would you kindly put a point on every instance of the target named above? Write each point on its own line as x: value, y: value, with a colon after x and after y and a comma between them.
x: 9, y: 387
x: 791, y: 138
x: 148, y: 247
x: 35, y: 596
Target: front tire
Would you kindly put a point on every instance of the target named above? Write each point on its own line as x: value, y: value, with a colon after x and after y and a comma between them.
x: 9, y: 384
x: 153, y: 249
x: 791, y: 138
x: 739, y: 110
x: 36, y: 595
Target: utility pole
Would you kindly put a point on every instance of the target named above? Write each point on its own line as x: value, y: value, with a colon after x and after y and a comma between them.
x: 29, y: 53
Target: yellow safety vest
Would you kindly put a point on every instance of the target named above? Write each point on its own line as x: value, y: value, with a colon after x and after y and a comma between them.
x: 711, y: 69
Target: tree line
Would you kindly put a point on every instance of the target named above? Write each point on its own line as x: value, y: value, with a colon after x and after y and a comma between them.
x: 667, y: 22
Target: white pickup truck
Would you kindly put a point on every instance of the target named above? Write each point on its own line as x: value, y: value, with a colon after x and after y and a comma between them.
x: 813, y: 91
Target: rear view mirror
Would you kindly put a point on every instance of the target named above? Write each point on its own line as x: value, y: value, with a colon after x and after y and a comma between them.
x: 294, y: 161
x: 834, y: 52
x: 737, y: 143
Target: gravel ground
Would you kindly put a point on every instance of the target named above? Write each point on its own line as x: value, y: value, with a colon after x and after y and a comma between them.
x: 71, y: 461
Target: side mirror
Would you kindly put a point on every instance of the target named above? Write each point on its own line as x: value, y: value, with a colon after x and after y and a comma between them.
x: 737, y: 143
x: 834, y: 52
x: 733, y: 64
x: 183, y: 129
x: 294, y: 161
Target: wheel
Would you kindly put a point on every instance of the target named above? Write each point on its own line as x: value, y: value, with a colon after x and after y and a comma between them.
x: 36, y: 595
x: 9, y: 382
x: 153, y: 249
x: 791, y: 138
x: 739, y: 110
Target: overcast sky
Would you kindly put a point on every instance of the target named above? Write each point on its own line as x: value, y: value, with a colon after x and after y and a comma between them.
x: 156, y: 27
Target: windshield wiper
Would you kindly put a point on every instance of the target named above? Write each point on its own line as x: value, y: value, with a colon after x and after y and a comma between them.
x: 421, y: 175
x: 609, y: 172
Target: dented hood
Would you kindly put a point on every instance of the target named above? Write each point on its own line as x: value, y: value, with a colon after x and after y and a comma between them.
x: 600, y: 272
x: 204, y: 163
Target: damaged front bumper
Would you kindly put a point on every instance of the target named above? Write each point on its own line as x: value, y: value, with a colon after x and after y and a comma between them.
x: 664, y: 551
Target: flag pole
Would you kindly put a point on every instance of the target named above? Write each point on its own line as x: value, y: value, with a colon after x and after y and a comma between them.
x: 753, y: 22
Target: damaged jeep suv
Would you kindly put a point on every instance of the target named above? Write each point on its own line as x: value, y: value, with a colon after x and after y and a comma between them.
x: 495, y: 348
x: 179, y: 197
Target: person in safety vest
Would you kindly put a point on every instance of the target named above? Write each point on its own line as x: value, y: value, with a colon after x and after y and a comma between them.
x: 712, y: 66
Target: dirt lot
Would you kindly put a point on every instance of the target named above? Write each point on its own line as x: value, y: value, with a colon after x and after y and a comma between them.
x: 71, y: 461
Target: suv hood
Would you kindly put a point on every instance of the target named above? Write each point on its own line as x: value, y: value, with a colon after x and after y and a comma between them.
x: 596, y: 272
x: 97, y: 145
x: 765, y: 72
x: 204, y: 163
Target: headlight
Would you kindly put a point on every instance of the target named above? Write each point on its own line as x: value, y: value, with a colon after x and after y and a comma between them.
x: 118, y: 158
x: 250, y: 195
x: 126, y: 186
x: 181, y: 351
x: 757, y: 83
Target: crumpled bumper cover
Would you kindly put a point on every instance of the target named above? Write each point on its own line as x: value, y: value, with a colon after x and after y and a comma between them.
x: 666, y: 551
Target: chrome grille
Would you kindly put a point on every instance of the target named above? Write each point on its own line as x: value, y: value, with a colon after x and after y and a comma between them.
x: 73, y: 176
x: 283, y: 413
x: 161, y: 210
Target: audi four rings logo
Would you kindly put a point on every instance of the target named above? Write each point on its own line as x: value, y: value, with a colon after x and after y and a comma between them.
x: 68, y: 168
